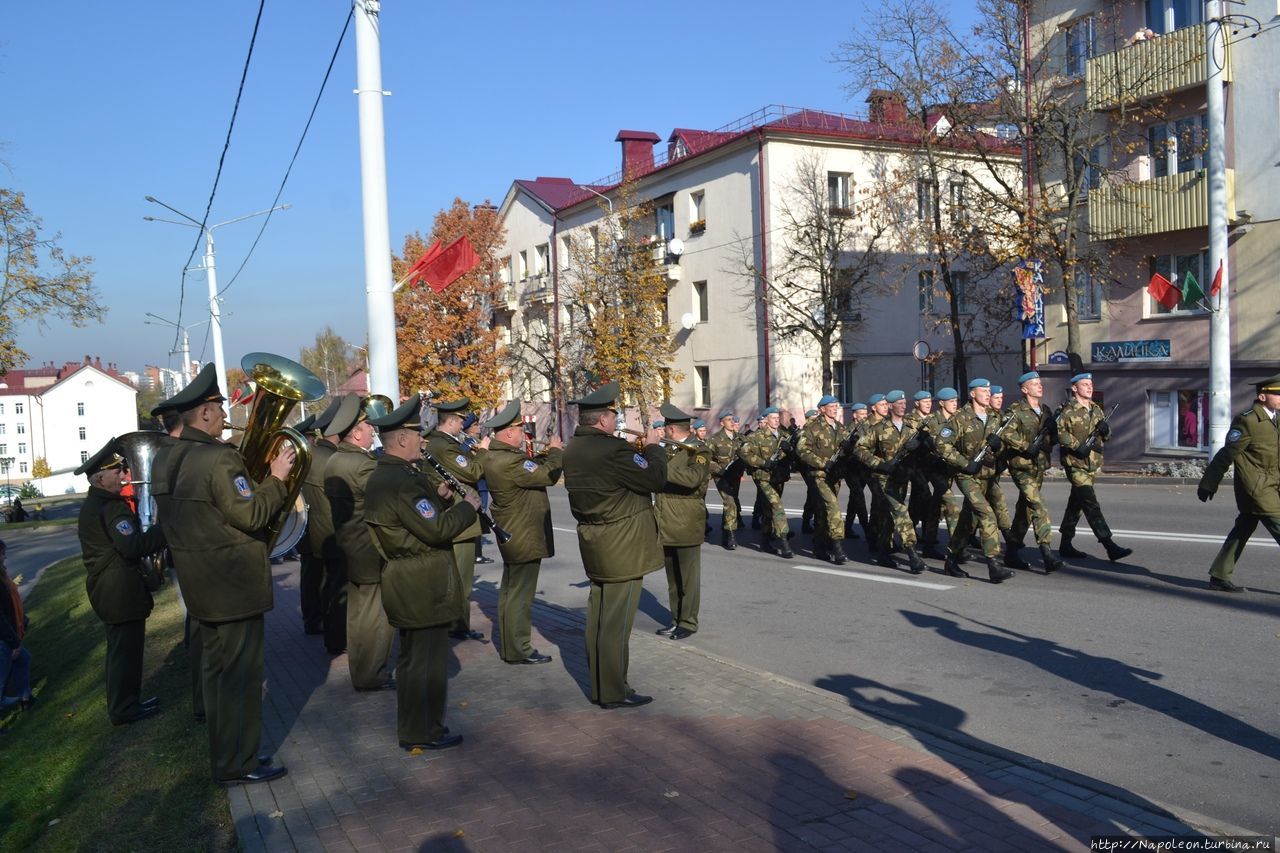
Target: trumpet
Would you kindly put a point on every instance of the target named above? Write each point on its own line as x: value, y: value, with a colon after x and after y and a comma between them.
x: 683, y: 445
x: 462, y: 491
x: 641, y: 438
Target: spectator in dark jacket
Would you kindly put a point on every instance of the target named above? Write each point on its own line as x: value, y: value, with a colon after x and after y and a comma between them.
x: 15, y: 660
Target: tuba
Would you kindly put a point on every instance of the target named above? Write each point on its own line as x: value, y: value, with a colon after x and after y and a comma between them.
x: 139, y: 450
x: 281, y: 384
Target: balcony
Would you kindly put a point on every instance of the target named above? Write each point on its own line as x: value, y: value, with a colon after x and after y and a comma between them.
x: 1171, y: 203
x: 1148, y: 69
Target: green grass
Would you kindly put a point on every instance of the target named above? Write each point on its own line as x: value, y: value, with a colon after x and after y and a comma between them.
x: 40, y: 522
x: 71, y: 780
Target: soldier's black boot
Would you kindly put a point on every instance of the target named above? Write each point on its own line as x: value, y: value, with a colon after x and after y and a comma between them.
x: 913, y: 560
x: 728, y: 540
x: 952, y: 568
x: 1115, y: 552
x: 1012, y: 558
x: 837, y: 553
x: 931, y: 551
x: 884, y: 557
x: 997, y: 574
x: 806, y: 525
x: 1051, y: 561
x: 755, y: 522
x: 1066, y: 549
x: 767, y: 543
x: 783, y: 549
x: 821, y: 548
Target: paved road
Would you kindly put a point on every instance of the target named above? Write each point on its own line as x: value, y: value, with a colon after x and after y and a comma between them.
x: 32, y: 549
x: 1134, y: 673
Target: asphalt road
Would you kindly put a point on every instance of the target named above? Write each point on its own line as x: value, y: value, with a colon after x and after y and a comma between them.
x: 1134, y: 674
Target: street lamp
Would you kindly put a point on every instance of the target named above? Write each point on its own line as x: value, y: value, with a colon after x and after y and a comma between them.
x: 7, y: 462
x: 185, y: 350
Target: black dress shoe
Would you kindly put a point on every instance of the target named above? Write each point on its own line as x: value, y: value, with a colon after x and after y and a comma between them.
x: 466, y: 635
x: 681, y: 633
x: 635, y: 700
x: 536, y: 657
x: 444, y: 741
x: 143, y: 714
x: 1224, y: 585
x: 263, y: 773
x: 151, y: 702
x: 666, y: 632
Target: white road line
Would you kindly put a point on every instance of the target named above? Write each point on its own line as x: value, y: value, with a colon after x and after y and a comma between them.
x: 877, y: 578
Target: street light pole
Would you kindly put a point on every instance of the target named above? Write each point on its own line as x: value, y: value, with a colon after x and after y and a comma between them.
x: 184, y: 350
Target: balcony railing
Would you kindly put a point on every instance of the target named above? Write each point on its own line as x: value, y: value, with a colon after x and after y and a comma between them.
x: 1171, y: 203
x: 1148, y: 69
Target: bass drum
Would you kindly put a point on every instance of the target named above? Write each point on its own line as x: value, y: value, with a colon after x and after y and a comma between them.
x: 292, y: 528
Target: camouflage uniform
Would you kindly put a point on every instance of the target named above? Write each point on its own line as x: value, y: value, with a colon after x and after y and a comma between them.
x: 938, y: 475
x: 1027, y: 467
x: 819, y: 442
x: 1076, y: 425
x: 958, y: 443
x: 726, y: 469
x: 877, y: 447
x: 764, y: 452
x: 856, y: 476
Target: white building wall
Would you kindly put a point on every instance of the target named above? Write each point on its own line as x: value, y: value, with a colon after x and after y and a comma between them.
x: 109, y: 409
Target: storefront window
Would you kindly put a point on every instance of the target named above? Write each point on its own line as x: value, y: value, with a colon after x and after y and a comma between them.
x: 1179, y: 420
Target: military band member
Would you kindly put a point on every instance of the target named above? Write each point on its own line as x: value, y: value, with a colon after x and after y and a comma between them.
x: 727, y: 470
x: 346, y: 479
x: 938, y: 506
x: 215, y: 520
x: 681, y: 508
x: 764, y: 452
x: 414, y: 528
x: 518, y: 497
x: 114, y: 546
x: 465, y: 462
x: 1253, y: 446
x: 610, y: 487
x: 960, y: 443
x: 882, y: 449
x: 321, y: 536
x: 855, y: 476
x: 1027, y: 441
x: 818, y: 447
x: 1082, y: 432
x: 311, y: 549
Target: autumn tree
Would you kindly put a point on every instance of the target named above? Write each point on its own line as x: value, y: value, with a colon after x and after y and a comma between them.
x: 531, y: 355
x: 40, y: 468
x: 616, y: 297
x: 148, y: 398
x: 447, y: 341
x: 40, y: 279
x: 332, y: 360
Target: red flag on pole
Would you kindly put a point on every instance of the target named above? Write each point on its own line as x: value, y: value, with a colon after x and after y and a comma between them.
x: 415, y: 271
x: 450, y: 264
x: 1164, y: 291
x: 1217, y: 281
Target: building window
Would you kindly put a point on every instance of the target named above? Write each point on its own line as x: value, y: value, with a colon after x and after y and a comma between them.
x: 1089, y: 165
x: 2, y: 429
x: 22, y: 448
x: 926, y: 292
x: 700, y: 301
x: 1006, y: 131
x: 566, y: 251
x: 838, y: 192
x: 960, y: 284
x: 18, y: 408
x: 703, y: 387
x: 22, y: 429
x: 544, y: 259
x: 1176, y: 268
x: 22, y: 467
x: 842, y: 381
x: 1081, y: 44
x: 80, y: 409
x: 84, y: 456
x: 926, y: 191
x: 4, y: 448
x: 955, y: 193
x: 522, y: 265
x: 1088, y: 297
x: 82, y: 434
x: 1178, y: 420
x: 1165, y: 16
x: 697, y: 212
x: 1, y: 408
x: 1179, y: 146
x: 664, y: 216
x: 594, y: 230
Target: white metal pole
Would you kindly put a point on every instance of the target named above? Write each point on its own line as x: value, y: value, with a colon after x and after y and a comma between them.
x: 383, y: 374
x: 1220, y: 320
x: 215, y: 314
x: 186, y: 360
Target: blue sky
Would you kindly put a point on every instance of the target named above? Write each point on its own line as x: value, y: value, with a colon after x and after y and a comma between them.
x: 106, y: 103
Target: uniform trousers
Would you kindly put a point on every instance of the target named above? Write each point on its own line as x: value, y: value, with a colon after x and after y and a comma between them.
x: 812, y: 501
x: 369, y: 636
x: 936, y: 506
x: 684, y: 584
x: 334, y: 602
x: 976, y: 512
x: 422, y: 684
x: 310, y: 589
x: 828, y: 522
x: 195, y: 658
x: 515, y: 608
x: 1225, y: 563
x: 233, y: 694
x: 995, y: 497
x: 611, y: 613
x: 1030, y: 511
x: 1083, y: 499
x: 857, y: 506
x: 771, y: 493
x: 125, y: 641
x: 464, y: 556
x: 892, y: 492
x: 730, y: 515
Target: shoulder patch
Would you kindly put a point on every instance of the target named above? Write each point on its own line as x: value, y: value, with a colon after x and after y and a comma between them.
x: 640, y: 461
x: 947, y: 432
x: 461, y: 460
x: 124, y: 527
x: 242, y: 486
x: 424, y: 508
x: 1234, y: 435
x: 529, y: 465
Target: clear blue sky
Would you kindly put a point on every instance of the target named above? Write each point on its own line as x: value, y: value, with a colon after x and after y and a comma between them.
x: 105, y: 103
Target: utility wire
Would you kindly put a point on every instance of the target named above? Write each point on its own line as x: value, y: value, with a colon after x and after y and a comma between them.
x: 294, y: 159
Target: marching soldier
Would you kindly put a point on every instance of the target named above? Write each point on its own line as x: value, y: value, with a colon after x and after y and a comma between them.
x: 321, y: 537
x: 972, y: 433
x: 855, y: 475
x: 518, y: 485
x: 882, y: 449
x: 764, y: 452
x: 119, y: 584
x: 1253, y: 446
x: 917, y: 461
x: 464, y: 462
x: 682, y: 516
x: 1028, y: 441
x: 411, y: 525
x: 727, y: 469
x: 937, y: 507
x: 610, y: 487
x: 877, y: 410
x: 812, y: 501
x: 346, y: 480
x: 995, y: 496
x: 1082, y: 431
x: 700, y: 429
x: 819, y: 445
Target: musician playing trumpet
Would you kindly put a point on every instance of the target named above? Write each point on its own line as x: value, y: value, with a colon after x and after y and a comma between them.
x: 682, y: 519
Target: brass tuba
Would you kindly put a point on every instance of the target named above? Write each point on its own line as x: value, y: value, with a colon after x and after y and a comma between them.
x: 139, y: 450
x: 281, y: 384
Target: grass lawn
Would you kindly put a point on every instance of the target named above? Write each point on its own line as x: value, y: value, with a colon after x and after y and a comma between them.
x: 71, y: 780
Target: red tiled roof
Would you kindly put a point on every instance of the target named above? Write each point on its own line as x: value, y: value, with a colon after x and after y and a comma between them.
x: 556, y: 192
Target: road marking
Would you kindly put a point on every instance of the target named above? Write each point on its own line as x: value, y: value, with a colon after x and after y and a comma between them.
x: 1263, y: 541
x: 564, y: 529
x: 877, y: 578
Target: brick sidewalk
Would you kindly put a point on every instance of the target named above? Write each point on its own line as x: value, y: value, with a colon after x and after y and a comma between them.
x: 725, y: 758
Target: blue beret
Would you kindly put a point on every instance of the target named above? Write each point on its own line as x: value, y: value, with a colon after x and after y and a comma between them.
x: 875, y: 398
x: 857, y: 406
x: 895, y: 395
x: 1028, y: 376
x: 1079, y: 376
x: 826, y: 400
x: 979, y: 383
x: 947, y: 394
x: 923, y: 395
x: 724, y: 415
x: 812, y: 413
x: 997, y: 389
x: 699, y: 423
x: 772, y: 410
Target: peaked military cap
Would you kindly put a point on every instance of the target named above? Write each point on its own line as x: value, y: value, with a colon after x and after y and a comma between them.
x: 1270, y: 386
x: 812, y: 413
x: 827, y: 400
x: 103, y: 460
x: 673, y: 415
x: 979, y: 383
x: 306, y: 425
x: 405, y: 417
x: 326, y: 417
x: 1028, y: 376
x: 997, y: 389
x: 202, y: 389
x: 875, y: 398
x: 947, y: 394
x: 857, y: 407
x: 453, y: 407
x: 601, y: 398
x: 923, y: 394
x: 772, y: 410
x: 505, y: 418
x: 349, y: 413
x: 895, y: 395
x: 1080, y: 377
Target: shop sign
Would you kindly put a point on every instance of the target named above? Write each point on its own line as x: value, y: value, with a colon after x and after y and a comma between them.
x: 1114, y: 352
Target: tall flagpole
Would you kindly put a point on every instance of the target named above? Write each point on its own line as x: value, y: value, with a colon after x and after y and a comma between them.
x: 383, y: 374
x: 1216, y: 58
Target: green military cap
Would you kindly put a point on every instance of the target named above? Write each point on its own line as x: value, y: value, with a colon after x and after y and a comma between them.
x: 202, y: 389
x: 306, y: 425
x: 1269, y: 386
x: 456, y: 407
x: 326, y: 417
x: 505, y: 418
x: 103, y: 460
x: 601, y: 398
x: 673, y: 415
x: 405, y: 417
x: 349, y: 413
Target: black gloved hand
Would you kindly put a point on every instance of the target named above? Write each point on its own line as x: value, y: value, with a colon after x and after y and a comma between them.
x: 887, y: 466
x: 1204, y: 494
x: 995, y: 442
x: 1090, y: 445
x: 912, y: 444
x: 1034, y: 448
x: 972, y: 467
x: 1104, y: 430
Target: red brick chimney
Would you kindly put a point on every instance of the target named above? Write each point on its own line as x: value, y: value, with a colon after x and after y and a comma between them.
x: 637, y: 152
x: 887, y: 107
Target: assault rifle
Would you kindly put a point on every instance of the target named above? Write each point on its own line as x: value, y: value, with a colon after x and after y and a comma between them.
x: 1091, y: 442
x: 843, y: 453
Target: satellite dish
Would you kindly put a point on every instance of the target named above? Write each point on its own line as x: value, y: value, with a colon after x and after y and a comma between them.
x: 688, y: 321
x: 675, y: 247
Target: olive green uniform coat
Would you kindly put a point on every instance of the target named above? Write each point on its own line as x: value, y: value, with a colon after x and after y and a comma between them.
x: 323, y: 586
x: 610, y: 486
x: 414, y: 532
x: 763, y: 452
x: 878, y: 445
x: 1027, y: 467
x: 959, y: 442
x: 467, y: 467
x: 1253, y: 446
x: 727, y: 469
x: 369, y: 635
x: 818, y: 445
x: 681, y: 508
x: 518, y: 501
x: 1076, y: 424
x: 113, y: 546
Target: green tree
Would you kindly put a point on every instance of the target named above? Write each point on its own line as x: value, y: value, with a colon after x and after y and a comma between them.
x: 148, y: 399
x: 333, y: 360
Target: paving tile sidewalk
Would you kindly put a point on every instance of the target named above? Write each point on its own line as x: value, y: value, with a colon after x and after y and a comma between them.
x: 725, y: 758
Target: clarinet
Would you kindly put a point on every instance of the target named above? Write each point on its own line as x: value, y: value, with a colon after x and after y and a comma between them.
x: 451, y: 481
